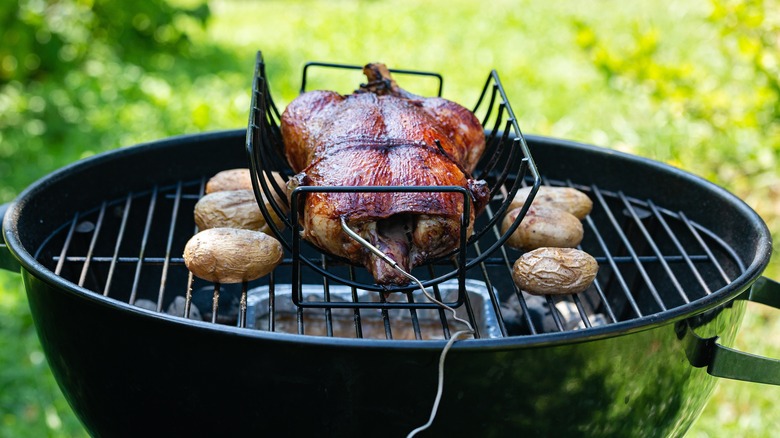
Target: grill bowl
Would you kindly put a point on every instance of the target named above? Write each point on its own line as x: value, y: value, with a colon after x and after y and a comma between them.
x: 124, y: 369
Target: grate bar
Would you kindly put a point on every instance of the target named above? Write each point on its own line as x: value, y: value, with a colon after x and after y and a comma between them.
x: 490, y: 261
x: 215, y: 302
x: 617, y: 275
x: 386, y: 318
x: 555, y: 315
x: 470, y: 312
x: 66, y: 245
x: 581, y: 310
x: 188, y: 296
x: 271, y: 301
x: 326, y: 292
x: 190, y: 278
x: 169, y: 245
x: 144, y: 243
x: 494, y: 300
x: 654, y: 247
x: 604, y: 302
x: 628, y: 247
x: 445, y: 326
x: 299, y: 310
x: 680, y: 248
x: 119, y: 260
x: 707, y: 249
x: 413, y: 315
x: 356, y: 310
x: 242, y: 306
x: 93, y: 240
x: 118, y: 244
x: 520, y: 298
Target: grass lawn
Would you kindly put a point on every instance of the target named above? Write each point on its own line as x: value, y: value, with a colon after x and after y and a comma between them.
x: 641, y: 77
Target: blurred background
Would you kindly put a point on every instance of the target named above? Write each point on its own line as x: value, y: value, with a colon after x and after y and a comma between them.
x: 693, y: 83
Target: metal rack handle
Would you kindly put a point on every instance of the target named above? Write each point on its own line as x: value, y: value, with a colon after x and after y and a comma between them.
x: 722, y: 361
x: 507, y: 161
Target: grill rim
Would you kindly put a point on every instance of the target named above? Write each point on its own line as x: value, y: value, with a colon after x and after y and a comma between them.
x: 16, y: 215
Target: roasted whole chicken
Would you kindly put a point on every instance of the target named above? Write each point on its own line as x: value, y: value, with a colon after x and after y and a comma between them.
x: 382, y: 135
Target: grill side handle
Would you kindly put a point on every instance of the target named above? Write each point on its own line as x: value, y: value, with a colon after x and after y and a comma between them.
x: 7, y: 260
x: 722, y: 361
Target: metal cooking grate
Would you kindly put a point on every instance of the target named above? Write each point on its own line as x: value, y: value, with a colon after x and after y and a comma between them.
x: 651, y: 260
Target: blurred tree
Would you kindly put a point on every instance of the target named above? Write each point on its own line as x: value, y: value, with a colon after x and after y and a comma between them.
x: 44, y: 39
x: 72, y: 71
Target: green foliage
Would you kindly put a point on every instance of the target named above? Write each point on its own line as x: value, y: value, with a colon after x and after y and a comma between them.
x: 717, y: 116
x: 46, y: 38
x: 74, y: 72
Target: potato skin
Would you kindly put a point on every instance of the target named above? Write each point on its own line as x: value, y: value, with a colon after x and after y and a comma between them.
x: 543, y: 226
x: 567, y: 199
x: 554, y: 271
x: 231, y: 179
x: 232, y: 209
x: 229, y: 255
x: 241, y: 179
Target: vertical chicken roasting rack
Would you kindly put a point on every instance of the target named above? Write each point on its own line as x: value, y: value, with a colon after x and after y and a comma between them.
x: 506, y: 166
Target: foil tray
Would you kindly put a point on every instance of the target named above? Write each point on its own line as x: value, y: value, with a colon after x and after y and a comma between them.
x: 374, y: 324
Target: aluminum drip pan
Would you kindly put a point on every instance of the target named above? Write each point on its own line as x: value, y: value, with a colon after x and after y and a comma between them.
x: 396, y: 324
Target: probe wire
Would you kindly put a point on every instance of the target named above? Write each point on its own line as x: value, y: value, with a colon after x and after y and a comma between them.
x: 453, y: 338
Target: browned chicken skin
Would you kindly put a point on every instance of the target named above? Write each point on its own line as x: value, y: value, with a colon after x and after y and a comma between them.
x: 382, y: 135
